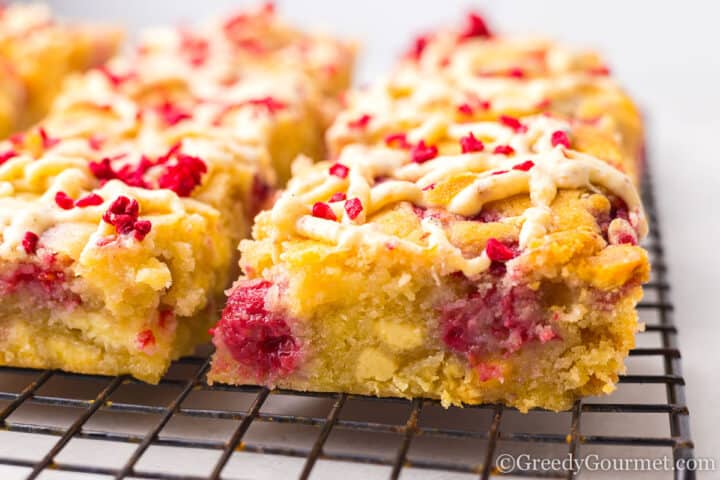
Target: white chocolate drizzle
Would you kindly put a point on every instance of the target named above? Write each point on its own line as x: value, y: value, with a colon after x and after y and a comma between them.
x: 554, y: 168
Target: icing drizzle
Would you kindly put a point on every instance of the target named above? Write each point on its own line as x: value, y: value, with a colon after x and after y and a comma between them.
x: 553, y: 167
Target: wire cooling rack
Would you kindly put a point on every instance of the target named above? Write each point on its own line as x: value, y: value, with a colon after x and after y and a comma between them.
x: 60, y: 425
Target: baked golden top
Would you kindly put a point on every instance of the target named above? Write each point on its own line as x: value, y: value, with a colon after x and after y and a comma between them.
x: 241, y: 72
x: 229, y: 47
x: 189, y: 112
x: 181, y: 83
x: 521, y: 181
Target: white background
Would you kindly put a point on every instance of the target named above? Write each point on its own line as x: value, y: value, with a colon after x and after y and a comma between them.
x: 665, y: 53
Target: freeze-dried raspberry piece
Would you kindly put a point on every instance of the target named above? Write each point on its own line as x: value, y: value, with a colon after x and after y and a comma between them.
x: 5, y: 156
x: 30, y: 242
x: 339, y: 170
x: 513, y: 123
x: 338, y: 197
x: 145, y: 339
x: 524, y: 166
x: 172, y: 114
x: 516, y: 72
x: 421, y: 153
x: 122, y: 214
x: 504, y: 150
x: 397, y: 140
x: 91, y: 199
x: 560, y: 138
x: 471, y: 144
x: 361, y: 122
x: 183, y: 176
x: 270, y: 104
x: 195, y: 48
x: 323, y: 210
x: 95, y: 142
x: 498, y: 251
x: 353, y: 207
x: 116, y: 80
x: 142, y: 228
x: 465, y: 109
x: 48, y: 142
x: 475, y: 27
x: 64, y: 201
x: 419, y: 45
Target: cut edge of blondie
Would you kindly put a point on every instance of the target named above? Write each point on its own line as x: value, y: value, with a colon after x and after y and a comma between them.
x: 393, y: 330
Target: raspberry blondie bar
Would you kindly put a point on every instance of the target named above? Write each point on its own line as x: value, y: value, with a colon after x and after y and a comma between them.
x: 112, y: 256
x: 472, y: 74
x: 120, y: 213
x: 36, y: 53
x: 253, y: 73
x: 473, y: 260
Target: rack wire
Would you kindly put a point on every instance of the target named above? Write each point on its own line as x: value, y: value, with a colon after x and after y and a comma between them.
x: 220, y: 431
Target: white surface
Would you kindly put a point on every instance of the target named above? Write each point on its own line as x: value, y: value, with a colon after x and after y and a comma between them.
x: 666, y: 54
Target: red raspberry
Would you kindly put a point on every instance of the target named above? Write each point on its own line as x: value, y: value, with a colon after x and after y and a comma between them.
x: 5, y: 156
x: 195, y: 47
x: 470, y: 144
x: 498, y: 251
x: 145, y: 339
x: 115, y: 79
x: 88, y: 200
x: 360, y: 123
x: 64, y: 201
x: 421, y: 153
x: 102, y: 170
x: 504, y: 150
x: 47, y: 141
x: 323, y: 210
x: 418, y: 47
x: 171, y: 113
x: 475, y: 27
x: 142, y: 228
x: 516, y: 73
x: 353, y: 207
x: 560, y: 138
x: 269, y: 103
x: 30, y: 242
x: 338, y: 197
x: 524, y: 166
x: 184, y: 176
x: 397, y: 140
x: 465, y: 109
x: 95, y: 142
x: 122, y: 214
x: 513, y: 123
x: 258, y: 335
x: 339, y: 170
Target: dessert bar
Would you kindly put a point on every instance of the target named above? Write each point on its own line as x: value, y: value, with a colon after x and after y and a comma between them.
x: 472, y: 258
x: 121, y: 210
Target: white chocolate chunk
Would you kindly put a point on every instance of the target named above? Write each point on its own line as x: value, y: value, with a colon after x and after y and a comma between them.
x: 372, y: 364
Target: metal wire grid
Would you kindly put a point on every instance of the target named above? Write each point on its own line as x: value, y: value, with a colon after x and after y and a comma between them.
x: 484, y: 466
